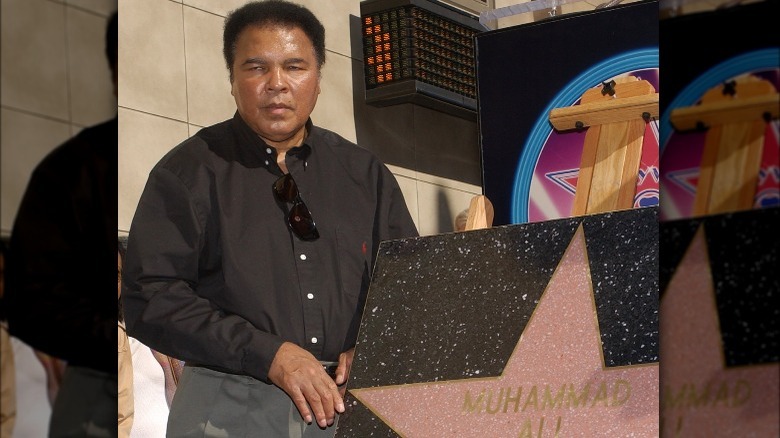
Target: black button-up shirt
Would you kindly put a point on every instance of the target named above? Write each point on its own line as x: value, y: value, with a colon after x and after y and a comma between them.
x: 214, y: 276
x: 63, y: 250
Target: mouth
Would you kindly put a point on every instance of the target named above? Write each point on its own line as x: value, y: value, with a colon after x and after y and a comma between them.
x: 277, y: 106
x: 277, y: 109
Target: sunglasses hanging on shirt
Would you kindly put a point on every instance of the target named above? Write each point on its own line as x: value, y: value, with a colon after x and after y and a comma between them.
x: 299, y: 218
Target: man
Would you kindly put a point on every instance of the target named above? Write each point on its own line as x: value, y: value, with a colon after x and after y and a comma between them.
x: 60, y: 271
x: 251, y: 249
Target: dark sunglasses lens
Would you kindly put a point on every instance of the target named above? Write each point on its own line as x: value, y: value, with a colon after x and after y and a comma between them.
x: 301, y: 222
x: 286, y: 189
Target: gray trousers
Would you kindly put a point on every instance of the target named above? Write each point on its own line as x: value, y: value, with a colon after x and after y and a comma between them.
x: 85, y: 405
x: 209, y: 403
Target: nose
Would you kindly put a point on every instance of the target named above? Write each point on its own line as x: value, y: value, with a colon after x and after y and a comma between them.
x: 277, y: 80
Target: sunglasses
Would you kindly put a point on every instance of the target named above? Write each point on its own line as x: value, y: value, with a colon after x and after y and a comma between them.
x: 299, y: 218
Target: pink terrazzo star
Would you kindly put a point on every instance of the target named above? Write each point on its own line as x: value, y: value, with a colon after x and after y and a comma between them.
x: 554, y: 385
x: 700, y: 396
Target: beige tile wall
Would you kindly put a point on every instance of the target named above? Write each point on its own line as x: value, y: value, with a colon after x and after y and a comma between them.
x: 173, y: 81
x: 55, y: 82
x: 671, y: 8
x: 562, y: 9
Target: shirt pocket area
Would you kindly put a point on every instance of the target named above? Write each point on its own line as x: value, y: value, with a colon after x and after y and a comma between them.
x: 353, y: 252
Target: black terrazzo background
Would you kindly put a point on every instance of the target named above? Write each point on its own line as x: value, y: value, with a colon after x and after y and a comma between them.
x: 358, y: 421
x: 743, y: 250
x: 453, y: 306
x: 623, y: 255
x: 675, y: 238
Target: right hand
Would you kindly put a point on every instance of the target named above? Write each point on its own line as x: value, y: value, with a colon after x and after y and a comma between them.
x: 298, y: 373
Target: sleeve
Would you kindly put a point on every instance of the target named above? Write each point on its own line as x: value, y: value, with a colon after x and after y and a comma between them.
x: 57, y: 301
x: 394, y: 217
x: 172, y: 266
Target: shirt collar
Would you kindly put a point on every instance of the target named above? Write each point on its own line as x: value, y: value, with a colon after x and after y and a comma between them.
x: 304, y: 150
x: 251, y: 138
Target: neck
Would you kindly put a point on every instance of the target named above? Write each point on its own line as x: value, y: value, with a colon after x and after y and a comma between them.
x: 282, y: 146
x: 280, y: 161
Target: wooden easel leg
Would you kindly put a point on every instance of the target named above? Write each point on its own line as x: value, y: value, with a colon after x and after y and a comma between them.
x: 612, y: 172
x: 753, y: 153
x: 707, y: 171
x: 636, y: 132
x: 735, y: 172
x: 587, y: 160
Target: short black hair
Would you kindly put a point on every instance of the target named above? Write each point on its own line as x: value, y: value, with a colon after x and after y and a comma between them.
x: 111, y: 41
x: 272, y: 12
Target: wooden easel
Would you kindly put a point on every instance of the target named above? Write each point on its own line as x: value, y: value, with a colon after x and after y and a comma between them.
x: 480, y: 213
x: 735, y: 116
x: 615, y: 114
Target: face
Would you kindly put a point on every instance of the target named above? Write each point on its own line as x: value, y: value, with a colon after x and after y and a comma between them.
x: 276, y: 81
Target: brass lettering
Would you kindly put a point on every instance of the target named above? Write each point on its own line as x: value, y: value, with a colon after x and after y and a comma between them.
x: 671, y: 426
x: 470, y: 406
x: 670, y: 400
x: 525, y: 432
x: 617, y: 400
x: 742, y: 393
x: 531, y: 396
x: 515, y: 399
x: 490, y: 410
x: 573, y: 400
x: 700, y: 399
x: 601, y: 395
x: 679, y: 426
x: 728, y: 393
x: 723, y: 395
x: 549, y: 402
x: 568, y: 396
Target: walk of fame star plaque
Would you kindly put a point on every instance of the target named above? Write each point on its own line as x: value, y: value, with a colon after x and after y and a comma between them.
x: 534, y: 330
x: 720, y: 325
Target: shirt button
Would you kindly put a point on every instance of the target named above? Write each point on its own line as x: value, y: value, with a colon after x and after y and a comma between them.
x: 313, y: 340
x: 310, y: 296
x: 268, y: 150
x: 266, y: 162
x: 303, y: 256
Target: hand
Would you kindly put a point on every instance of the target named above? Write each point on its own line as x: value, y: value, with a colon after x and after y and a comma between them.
x: 342, y: 372
x: 298, y: 373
